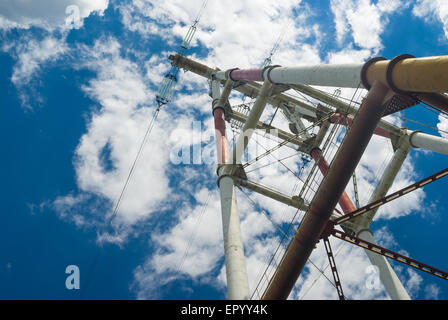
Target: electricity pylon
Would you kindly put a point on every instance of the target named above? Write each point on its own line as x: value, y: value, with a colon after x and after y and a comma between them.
x: 392, y: 85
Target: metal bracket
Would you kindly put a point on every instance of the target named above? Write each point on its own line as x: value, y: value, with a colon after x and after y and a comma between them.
x: 308, y: 145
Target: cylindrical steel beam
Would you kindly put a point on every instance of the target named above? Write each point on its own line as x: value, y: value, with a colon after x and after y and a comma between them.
x: 386, y: 180
x: 347, y: 121
x: 247, y: 75
x: 404, y: 74
x: 241, y: 75
x: 273, y: 194
x: 428, y: 74
x: 419, y: 139
x: 250, y: 89
x: 387, y: 275
x: 222, y: 146
x: 438, y: 100
x: 236, y: 273
x: 341, y: 106
x: 344, y: 75
x: 346, y: 204
x: 322, y: 132
x: 219, y: 119
x: 328, y: 194
x: 251, y: 123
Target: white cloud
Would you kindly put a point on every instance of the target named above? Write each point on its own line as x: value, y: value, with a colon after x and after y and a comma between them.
x: 443, y: 126
x: 348, y: 55
x: 191, y: 248
x: 364, y: 20
x: 433, y: 9
x: 229, y: 37
x: 32, y: 54
x: 413, y: 283
x: 352, y: 265
x: 44, y: 13
x: 432, y: 291
x: 120, y: 90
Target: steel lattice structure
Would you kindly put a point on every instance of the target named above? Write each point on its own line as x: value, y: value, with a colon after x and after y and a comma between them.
x: 392, y: 85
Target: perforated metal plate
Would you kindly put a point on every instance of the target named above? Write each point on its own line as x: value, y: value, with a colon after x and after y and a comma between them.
x: 398, y: 103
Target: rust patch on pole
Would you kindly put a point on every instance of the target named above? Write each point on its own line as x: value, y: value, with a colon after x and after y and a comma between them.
x: 328, y: 194
x: 220, y: 136
x: 344, y: 201
x: 347, y: 121
x: 409, y: 74
x: 437, y: 100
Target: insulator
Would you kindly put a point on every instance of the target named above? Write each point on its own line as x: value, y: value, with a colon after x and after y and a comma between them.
x: 167, y: 87
x: 187, y: 40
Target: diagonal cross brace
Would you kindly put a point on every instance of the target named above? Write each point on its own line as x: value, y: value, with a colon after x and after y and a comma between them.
x: 389, y: 254
x: 391, y: 197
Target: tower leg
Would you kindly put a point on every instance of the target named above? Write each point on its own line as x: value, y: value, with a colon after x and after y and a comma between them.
x: 388, y: 277
x: 236, y: 272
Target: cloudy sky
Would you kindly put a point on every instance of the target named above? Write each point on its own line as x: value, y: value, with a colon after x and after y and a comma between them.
x: 78, y: 86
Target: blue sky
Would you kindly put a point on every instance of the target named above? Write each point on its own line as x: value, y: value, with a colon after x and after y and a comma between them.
x: 74, y: 107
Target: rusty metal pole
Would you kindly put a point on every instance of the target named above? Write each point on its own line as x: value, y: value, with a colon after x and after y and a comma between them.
x: 328, y: 194
x: 347, y: 121
x: 220, y: 123
x: 344, y: 201
x: 388, y: 277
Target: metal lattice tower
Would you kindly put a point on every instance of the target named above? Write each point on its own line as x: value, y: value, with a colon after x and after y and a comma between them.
x: 393, y: 85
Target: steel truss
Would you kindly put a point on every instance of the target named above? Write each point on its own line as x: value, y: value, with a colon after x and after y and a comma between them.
x: 390, y: 94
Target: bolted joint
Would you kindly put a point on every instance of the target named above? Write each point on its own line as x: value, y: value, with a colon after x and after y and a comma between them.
x: 308, y: 145
x: 215, y: 107
x: 223, y: 176
x: 410, y: 138
x: 228, y: 73
x: 300, y: 201
x: 267, y: 73
x: 230, y: 170
x: 390, y: 69
x: 328, y: 230
x: 364, y: 69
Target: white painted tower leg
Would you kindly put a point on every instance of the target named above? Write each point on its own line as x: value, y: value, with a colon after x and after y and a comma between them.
x: 388, y: 277
x: 236, y: 272
x: 419, y: 139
